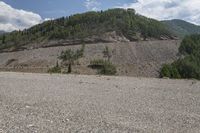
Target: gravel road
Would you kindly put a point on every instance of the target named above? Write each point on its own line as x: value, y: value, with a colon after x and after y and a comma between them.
x: 47, y: 103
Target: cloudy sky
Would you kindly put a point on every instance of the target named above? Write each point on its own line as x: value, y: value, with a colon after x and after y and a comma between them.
x: 20, y: 14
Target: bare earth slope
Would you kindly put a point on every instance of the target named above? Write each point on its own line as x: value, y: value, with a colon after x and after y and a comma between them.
x: 72, y: 103
x: 143, y: 58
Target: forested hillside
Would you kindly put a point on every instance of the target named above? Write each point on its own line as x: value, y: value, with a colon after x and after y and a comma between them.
x: 182, y: 28
x: 189, y: 65
x: 81, y: 26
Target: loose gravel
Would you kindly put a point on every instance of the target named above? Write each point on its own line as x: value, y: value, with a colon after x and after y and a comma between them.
x: 47, y: 103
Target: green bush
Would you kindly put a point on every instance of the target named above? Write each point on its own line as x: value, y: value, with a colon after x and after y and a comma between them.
x: 189, y: 66
x: 170, y: 71
x: 96, y: 64
x: 55, y: 69
x: 190, y: 45
x: 104, y: 67
x: 108, y: 69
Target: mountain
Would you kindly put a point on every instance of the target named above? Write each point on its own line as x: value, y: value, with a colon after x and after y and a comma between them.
x: 2, y: 32
x: 90, y: 27
x: 181, y: 27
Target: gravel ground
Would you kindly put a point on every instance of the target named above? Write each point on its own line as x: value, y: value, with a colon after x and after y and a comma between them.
x: 72, y: 103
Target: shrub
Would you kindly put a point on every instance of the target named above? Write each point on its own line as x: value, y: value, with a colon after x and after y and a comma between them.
x: 165, y: 71
x: 55, y: 69
x: 189, y: 66
x: 108, y: 69
x: 97, y: 64
x: 104, y: 67
x: 170, y: 71
x: 107, y: 53
x: 70, y: 56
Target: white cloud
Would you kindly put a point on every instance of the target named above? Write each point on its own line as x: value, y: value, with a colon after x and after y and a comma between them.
x: 168, y: 9
x: 47, y: 19
x: 15, y: 19
x: 92, y: 5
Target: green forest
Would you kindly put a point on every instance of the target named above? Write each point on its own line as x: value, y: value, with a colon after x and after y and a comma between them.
x: 80, y: 26
x: 189, y: 65
x: 182, y: 28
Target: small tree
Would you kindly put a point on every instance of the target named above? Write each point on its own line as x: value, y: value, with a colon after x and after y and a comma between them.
x: 107, y: 53
x: 3, y: 39
x: 70, y: 57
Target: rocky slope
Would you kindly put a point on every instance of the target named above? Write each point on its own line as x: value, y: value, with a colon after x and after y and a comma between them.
x: 143, y: 58
x: 139, y: 45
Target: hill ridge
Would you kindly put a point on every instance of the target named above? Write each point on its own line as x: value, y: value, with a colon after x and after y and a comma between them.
x: 126, y: 24
x: 181, y: 27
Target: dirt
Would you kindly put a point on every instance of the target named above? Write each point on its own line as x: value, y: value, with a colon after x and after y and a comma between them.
x: 143, y: 58
x: 47, y: 103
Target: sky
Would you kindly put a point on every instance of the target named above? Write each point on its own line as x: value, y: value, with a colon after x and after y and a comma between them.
x: 21, y: 14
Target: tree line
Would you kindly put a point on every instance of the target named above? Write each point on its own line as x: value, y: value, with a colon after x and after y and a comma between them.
x: 188, y: 66
x: 80, y: 26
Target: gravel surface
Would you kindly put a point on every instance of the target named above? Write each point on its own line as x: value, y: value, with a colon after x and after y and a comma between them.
x: 72, y: 103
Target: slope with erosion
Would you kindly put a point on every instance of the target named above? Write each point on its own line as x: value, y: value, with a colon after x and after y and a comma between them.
x: 139, y: 45
x: 143, y: 58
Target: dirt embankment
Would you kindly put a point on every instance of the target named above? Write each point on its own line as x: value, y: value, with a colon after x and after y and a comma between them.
x: 143, y: 58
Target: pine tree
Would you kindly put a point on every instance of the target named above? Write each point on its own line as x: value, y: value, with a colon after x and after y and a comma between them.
x: 4, y: 39
x: 70, y: 57
x: 107, y: 53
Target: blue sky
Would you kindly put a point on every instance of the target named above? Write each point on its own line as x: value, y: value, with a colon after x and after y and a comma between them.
x: 58, y: 8
x: 21, y: 14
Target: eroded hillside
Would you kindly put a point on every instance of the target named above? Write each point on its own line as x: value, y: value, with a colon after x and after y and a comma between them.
x: 142, y: 58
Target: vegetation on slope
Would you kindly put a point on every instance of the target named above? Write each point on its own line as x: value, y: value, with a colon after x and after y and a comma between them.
x: 68, y: 57
x: 55, y: 69
x: 182, y: 28
x: 189, y: 66
x: 104, y: 67
x: 82, y: 26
